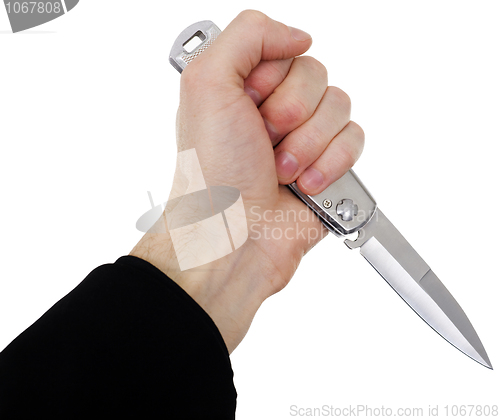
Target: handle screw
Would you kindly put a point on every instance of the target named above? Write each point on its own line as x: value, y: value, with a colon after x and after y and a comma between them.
x: 327, y: 203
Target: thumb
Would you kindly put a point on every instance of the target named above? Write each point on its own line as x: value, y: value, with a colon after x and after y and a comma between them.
x: 249, y: 38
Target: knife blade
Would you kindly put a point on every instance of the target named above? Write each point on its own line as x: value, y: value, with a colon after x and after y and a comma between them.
x: 346, y: 207
x: 382, y: 245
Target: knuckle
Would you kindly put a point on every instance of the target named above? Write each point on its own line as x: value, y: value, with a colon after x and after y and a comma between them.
x: 269, y: 73
x: 345, y: 157
x: 294, y: 111
x: 253, y: 17
x: 308, y: 141
x: 351, y: 148
x: 341, y: 98
x: 348, y: 150
x: 359, y: 134
x: 317, y: 67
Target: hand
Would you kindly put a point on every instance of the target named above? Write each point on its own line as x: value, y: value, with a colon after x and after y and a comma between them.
x: 259, y: 117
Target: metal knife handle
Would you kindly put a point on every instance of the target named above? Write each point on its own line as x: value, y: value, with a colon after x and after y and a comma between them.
x: 346, y: 205
x: 206, y: 30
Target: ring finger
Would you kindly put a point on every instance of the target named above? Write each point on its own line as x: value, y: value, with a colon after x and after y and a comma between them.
x: 305, y: 144
x: 343, y: 151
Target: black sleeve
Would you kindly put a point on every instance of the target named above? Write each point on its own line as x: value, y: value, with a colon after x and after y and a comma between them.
x: 126, y: 342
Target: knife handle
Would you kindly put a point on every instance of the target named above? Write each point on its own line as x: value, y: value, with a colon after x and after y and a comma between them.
x: 205, y: 30
x: 346, y: 205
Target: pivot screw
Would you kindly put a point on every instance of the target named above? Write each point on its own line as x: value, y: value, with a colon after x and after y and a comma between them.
x: 327, y: 203
x: 346, y: 209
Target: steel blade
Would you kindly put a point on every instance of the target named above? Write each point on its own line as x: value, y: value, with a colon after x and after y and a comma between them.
x: 398, y: 263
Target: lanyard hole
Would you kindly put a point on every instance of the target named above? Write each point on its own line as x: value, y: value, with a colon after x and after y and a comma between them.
x: 194, y: 42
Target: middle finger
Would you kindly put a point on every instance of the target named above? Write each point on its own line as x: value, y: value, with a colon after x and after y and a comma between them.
x: 294, y: 101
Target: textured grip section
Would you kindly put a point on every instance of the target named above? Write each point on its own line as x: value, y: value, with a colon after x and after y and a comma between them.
x: 211, y: 35
x: 206, y: 30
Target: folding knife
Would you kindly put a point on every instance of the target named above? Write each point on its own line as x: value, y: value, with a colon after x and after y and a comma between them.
x: 346, y: 207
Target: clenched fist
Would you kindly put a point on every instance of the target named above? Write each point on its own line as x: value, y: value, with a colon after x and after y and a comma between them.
x: 259, y: 116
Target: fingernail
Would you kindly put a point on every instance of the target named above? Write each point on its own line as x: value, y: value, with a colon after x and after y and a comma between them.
x: 286, y: 165
x: 312, y: 179
x: 299, y: 35
x: 253, y: 94
x: 273, y: 133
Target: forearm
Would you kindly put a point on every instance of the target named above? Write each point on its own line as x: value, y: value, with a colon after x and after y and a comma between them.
x: 126, y: 342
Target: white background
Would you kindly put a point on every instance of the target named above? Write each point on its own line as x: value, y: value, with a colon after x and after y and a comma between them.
x: 87, y: 108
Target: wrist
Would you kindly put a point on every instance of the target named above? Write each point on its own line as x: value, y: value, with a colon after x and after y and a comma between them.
x: 229, y: 289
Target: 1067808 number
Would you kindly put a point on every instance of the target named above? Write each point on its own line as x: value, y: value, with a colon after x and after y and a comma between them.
x: 471, y: 410
x: 33, y: 7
